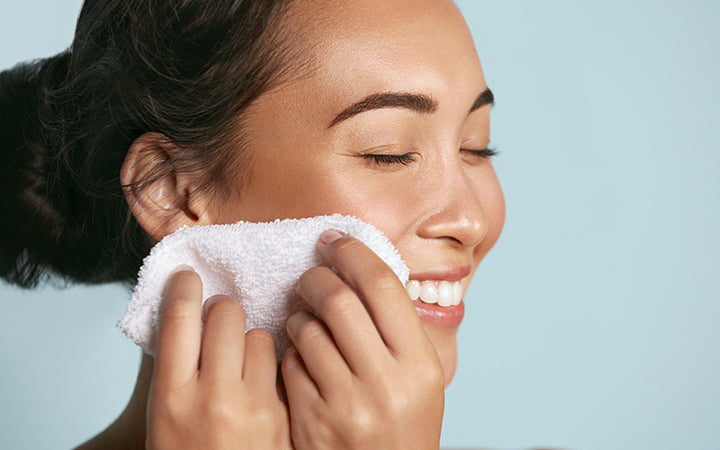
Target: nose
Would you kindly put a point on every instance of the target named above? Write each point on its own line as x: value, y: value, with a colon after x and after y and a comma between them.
x: 456, y: 212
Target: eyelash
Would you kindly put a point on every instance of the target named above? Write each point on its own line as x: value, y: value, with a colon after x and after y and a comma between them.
x: 484, y: 153
x: 387, y: 160
x: 407, y: 158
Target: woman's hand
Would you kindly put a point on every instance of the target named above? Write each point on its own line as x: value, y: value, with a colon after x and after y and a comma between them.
x: 368, y: 377
x: 213, y: 389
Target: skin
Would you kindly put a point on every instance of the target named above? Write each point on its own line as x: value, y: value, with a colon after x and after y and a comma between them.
x: 445, y: 210
x: 369, y: 374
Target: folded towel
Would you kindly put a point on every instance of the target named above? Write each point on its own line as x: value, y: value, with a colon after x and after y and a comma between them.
x: 258, y: 264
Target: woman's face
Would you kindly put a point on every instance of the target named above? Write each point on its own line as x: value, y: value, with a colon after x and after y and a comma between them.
x: 414, y: 64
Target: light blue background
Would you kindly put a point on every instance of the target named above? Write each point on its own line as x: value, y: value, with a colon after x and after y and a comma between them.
x: 592, y: 325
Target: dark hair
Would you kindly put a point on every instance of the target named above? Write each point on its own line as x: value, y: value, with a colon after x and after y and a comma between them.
x: 187, y: 69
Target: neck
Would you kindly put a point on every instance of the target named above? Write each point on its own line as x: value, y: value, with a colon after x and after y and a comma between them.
x: 128, y: 430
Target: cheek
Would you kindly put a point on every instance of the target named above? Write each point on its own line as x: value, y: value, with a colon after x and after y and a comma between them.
x: 380, y: 200
x: 295, y: 189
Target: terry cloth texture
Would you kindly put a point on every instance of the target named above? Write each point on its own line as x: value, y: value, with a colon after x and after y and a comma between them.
x: 258, y: 264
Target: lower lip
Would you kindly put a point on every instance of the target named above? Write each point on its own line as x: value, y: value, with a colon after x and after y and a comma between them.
x: 441, y: 316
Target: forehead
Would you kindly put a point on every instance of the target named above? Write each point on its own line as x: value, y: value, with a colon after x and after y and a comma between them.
x: 352, y: 49
x: 378, y: 45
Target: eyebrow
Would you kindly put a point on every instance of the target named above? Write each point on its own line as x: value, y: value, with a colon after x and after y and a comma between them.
x: 419, y: 103
x: 486, y: 97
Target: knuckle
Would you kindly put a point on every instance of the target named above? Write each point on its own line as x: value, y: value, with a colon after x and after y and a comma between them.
x: 339, y: 300
x: 218, y: 411
x: 433, y: 374
x: 178, y: 308
x: 290, y: 363
x: 385, y: 281
x: 436, y: 377
x: 363, y: 424
x: 397, y: 405
x: 266, y: 417
x: 394, y: 397
x: 164, y: 410
x: 310, y: 332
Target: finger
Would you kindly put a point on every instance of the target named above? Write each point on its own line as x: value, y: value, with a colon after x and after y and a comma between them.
x: 300, y: 388
x: 223, y: 342
x: 383, y: 293
x: 322, y: 358
x: 260, y: 366
x: 178, y: 341
x: 346, y: 317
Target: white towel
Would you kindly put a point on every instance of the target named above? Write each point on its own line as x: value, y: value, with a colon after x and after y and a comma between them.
x: 258, y: 264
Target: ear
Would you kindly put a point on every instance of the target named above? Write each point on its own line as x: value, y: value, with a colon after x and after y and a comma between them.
x: 166, y: 204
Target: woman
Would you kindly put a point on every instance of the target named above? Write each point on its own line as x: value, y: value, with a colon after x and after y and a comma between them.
x: 164, y: 114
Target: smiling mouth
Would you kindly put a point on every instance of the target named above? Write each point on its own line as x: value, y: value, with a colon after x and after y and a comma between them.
x: 439, y: 288
x: 441, y: 292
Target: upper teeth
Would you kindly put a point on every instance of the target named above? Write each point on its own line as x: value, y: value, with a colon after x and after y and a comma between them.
x: 444, y: 293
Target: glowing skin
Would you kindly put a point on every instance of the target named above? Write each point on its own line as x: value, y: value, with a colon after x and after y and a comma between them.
x: 445, y: 209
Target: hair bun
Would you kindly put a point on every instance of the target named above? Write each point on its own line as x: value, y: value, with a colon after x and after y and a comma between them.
x: 30, y: 220
x: 189, y: 70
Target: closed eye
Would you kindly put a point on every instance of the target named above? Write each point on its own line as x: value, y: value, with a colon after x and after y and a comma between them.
x: 388, y: 160
x: 407, y: 158
x: 484, y: 153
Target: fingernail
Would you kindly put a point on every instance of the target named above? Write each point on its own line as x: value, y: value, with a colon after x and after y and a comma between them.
x: 206, y: 306
x: 292, y: 323
x: 182, y: 268
x: 171, y: 275
x: 330, y: 236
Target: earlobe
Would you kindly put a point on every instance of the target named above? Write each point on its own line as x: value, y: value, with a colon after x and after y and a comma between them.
x: 158, y: 194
